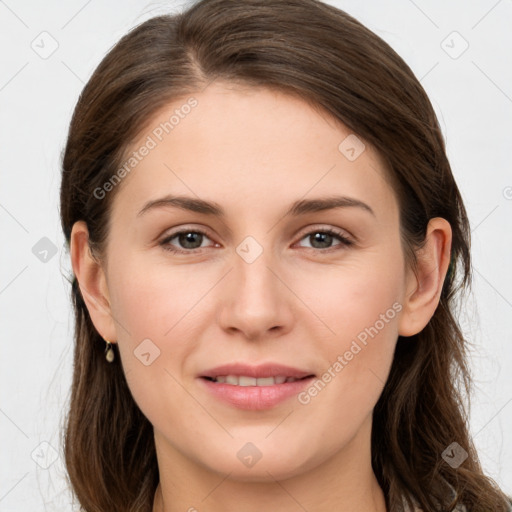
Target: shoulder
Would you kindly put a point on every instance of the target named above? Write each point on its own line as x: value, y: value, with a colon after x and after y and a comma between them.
x: 417, y: 508
x: 458, y: 508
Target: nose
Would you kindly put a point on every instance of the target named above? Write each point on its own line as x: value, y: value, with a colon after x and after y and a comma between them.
x: 256, y: 302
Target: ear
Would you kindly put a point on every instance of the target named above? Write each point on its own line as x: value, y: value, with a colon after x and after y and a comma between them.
x: 92, y: 281
x: 423, y: 288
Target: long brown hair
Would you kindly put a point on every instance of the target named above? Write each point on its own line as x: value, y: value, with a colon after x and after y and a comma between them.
x: 326, y: 57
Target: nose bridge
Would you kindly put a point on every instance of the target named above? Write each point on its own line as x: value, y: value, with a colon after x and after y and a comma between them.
x: 257, y: 300
x: 254, y: 280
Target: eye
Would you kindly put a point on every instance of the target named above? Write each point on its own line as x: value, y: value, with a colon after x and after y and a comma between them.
x: 322, y: 239
x: 192, y: 240
x: 189, y: 239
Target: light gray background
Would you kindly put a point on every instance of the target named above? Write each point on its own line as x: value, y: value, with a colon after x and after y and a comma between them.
x: 472, y: 95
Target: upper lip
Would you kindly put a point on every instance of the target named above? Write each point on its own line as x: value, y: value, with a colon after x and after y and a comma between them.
x: 257, y: 371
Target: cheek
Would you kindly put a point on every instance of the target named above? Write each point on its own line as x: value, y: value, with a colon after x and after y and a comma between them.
x: 152, y: 305
x: 352, y: 296
x: 359, y: 304
x: 153, y: 298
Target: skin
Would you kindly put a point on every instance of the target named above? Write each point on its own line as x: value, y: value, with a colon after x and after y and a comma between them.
x: 255, y: 151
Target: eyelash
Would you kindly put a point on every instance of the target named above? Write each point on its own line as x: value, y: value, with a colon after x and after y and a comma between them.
x: 345, y: 242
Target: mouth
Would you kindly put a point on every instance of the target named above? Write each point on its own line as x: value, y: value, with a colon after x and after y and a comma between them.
x: 245, y: 380
x: 258, y: 387
x: 267, y: 374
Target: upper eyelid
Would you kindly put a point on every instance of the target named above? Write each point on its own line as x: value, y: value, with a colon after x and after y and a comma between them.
x: 179, y: 231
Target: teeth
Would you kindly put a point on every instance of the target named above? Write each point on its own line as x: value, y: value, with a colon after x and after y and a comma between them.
x: 232, y: 379
x: 265, y: 381
x: 244, y: 380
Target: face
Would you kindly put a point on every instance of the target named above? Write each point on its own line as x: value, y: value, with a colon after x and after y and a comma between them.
x: 305, y: 293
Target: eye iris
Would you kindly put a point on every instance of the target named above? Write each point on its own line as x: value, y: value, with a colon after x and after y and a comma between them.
x: 188, y: 238
x: 321, y: 237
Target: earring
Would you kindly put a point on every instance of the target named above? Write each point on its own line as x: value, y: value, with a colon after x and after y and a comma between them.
x: 109, y: 351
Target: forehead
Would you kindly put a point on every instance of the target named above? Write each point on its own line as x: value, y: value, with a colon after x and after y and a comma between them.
x: 230, y: 142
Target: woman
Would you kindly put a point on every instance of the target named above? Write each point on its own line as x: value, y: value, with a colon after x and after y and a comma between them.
x: 267, y: 243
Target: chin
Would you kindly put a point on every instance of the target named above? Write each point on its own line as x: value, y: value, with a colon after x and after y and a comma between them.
x: 276, y: 463
x: 259, y: 473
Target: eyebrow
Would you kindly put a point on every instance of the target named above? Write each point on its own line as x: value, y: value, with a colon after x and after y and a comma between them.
x: 299, y: 207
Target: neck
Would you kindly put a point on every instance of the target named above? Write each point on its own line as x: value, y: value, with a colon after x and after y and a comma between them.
x: 345, y: 483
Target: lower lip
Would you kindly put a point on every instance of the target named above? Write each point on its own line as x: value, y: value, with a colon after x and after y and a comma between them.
x: 256, y: 397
